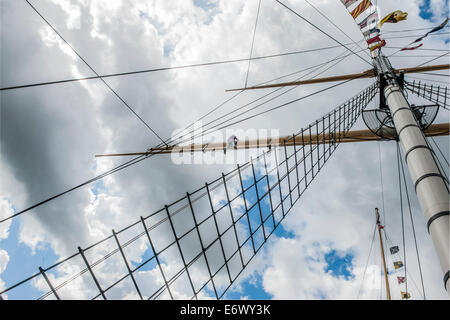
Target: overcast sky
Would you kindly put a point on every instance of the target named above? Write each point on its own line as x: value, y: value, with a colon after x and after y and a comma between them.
x: 50, y: 134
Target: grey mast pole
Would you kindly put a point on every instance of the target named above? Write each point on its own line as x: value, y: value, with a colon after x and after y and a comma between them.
x: 431, y: 187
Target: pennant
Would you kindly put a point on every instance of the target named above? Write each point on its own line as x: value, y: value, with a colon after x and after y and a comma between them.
x: 412, y: 48
x: 401, y: 280
x: 394, y: 250
x: 369, y: 32
x: 439, y: 27
x: 360, y: 8
x: 398, y: 264
x: 393, y: 17
x: 405, y: 295
x: 374, y: 39
x: 348, y: 3
x: 369, y: 20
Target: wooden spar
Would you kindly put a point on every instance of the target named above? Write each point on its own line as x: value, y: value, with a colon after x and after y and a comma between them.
x: 441, y: 129
x: 388, y: 291
x: 362, y: 75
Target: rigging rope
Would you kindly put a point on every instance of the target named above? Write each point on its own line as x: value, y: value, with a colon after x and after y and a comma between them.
x: 253, y: 41
x: 313, y: 25
x: 89, y: 66
x: 143, y: 157
x: 337, y: 27
x: 367, y: 262
x: 391, y: 244
x: 440, y: 151
x: 413, y: 230
x: 166, y: 68
x: 401, y: 211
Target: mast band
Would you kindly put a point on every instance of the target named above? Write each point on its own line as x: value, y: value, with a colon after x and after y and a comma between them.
x: 407, y: 126
x: 399, y: 109
x: 436, y: 216
x: 414, y: 148
x: 428, y: 175
x: 387, y: 94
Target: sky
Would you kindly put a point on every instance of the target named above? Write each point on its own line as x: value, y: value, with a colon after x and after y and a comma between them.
x: 50, y: 134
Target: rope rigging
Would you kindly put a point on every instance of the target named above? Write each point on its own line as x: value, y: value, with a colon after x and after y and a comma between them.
x: 168, y: 68
x: 253, y: 42
x: 367, y: 262
x: 140, y: 158
x: 89, y: 66
x: 281, y: 201
x: 344, y: 115
x: 316, y: 27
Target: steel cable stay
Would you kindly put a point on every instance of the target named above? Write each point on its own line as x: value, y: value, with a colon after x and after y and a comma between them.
x: 440, y: 151
x: 410, y: 30
x: 241, y: 107
x: 419, y: 49
x: 259, y: 222
x: 316, y: 27
x: 412, y: 225
x: 397, y: 255
x: 90, y: 67
x: 224, y: 124
x: 143, y: 157
x: 367, y: 262
x: 160, y: 69
x: 253, y: 42
x: 340, y: 29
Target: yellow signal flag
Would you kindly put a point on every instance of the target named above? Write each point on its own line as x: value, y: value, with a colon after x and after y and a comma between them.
x: 405, y: 295
x: 393, y: 17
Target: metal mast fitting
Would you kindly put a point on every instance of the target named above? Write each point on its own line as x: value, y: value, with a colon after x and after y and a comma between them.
x: 430, y: 185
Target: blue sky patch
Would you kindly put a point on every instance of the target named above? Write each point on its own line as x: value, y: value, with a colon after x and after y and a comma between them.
x: 251, y: 288
x: 425, y: 10
x: 22, y: 262
x: 339, y: 265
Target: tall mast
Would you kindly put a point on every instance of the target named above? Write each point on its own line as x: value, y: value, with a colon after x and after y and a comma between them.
x: 430, y: 185
x: 388, y: 291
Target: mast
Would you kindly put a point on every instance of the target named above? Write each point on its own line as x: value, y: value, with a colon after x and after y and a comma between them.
x: 388, y: 291
x: 430, y: 185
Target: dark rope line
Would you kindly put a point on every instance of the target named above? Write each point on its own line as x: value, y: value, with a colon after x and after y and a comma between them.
x: 337, y: 27
x: 313, y: 25
x: 442, y: 170
x: 253, y: 41
x: 165, y: 69
x: 414, y: 36
x: 89, y: 66
x: 440, y: 151
x: 118, y: 168
x: 143, y: 157
x: 445, y: 54
x: 436, y: 74
x: 401, y: 211
x: 391, y: 244
x: 111, y: 253
x: 419, y: 49
x: 367, y: 262
x: 413, y: 230
x: 209, y: 130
